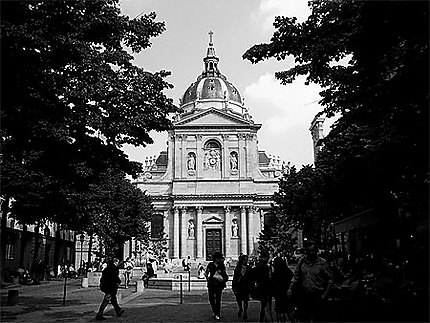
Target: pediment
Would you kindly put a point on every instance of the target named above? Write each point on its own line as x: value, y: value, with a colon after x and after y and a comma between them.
x: 213, y: 117
x: 213, y: 220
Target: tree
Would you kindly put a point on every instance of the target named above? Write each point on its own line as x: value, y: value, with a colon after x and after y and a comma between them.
x: 71, y: 99
x: 118, y: 211
x: 377, y: 151
x: 299, y: 205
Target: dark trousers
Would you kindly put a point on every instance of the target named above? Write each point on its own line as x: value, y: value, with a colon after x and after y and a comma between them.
x: 109, y: 298
x: 311, y: 308
x: 215, y: 300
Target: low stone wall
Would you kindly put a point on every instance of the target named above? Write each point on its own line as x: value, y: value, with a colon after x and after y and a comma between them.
x: 174, y: 283
x: 94, y: 278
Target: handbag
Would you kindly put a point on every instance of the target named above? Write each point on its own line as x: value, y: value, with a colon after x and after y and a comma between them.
x: 218, y: 277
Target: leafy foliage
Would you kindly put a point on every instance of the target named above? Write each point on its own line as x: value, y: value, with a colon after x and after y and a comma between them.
x: 371, y: 59
x: 119, y: 211
x: 71, y: 99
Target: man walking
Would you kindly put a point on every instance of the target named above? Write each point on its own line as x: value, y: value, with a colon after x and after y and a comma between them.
x: 109, y: 285
x: 311, y: 283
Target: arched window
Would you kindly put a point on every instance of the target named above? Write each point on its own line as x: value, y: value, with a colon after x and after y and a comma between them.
x: 157, y: 226
x: 212, y: 144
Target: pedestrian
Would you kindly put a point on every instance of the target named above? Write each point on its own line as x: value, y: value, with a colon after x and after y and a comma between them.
x: 201, y: 271
x: 310, y: 285
x: 128, y: 271
x: 149, y: 269
x: 186, y: 263
x: 242, y: 285
x: 281, y: 279
x: 260, y: 290
x: 217, y: 278
x: 109, y: 283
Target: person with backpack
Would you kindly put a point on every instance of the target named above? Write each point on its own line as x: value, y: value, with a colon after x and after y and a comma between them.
x: 109, y: 283
x: 216, y: 277
x: 241, y: 285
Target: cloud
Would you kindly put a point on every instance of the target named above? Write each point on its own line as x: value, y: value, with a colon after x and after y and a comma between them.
x: 269, y: 9
x: 286, y: 107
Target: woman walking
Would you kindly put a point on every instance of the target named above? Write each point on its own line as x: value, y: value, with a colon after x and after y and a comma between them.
x: 261, y: 290
x: 241, y: 285
x: 281, y: 278
x: 217, y: 278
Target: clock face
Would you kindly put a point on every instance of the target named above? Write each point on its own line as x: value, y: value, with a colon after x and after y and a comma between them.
x: 212, y: 161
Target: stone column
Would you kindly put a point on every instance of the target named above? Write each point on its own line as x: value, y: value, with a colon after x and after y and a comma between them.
x: 251, y: 230
x: 243, y: 231
x: 184, y: 231
x: 227, y: 221
x: 176, y: 232
x: 166, y: 230
x: 199, y: 231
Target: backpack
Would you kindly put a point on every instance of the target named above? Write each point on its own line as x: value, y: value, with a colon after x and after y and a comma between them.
x: 183, y: 263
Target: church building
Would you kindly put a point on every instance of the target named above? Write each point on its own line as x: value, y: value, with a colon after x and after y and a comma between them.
x: 212, y: 187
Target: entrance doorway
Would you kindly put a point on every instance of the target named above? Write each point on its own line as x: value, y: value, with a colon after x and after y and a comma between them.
x: 213, y: 242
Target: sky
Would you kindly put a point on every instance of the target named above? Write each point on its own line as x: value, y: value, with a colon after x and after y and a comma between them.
x: 285, y: 111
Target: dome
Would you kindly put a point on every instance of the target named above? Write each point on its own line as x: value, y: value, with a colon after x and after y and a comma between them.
x: 211, y: 85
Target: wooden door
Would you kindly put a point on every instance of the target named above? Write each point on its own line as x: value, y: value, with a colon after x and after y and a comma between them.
x: 213, y: 242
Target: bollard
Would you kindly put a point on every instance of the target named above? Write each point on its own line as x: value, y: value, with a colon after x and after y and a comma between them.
x: 180, y: 289
x: 189, y: 280
x: 85, y: 282
x: 140, y: 287
x: 12, y: 297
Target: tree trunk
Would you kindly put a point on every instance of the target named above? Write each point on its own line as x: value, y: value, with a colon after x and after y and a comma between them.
x: 90, y: 247
x: 4, y: 212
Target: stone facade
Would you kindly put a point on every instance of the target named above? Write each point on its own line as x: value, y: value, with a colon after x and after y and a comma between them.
x: 212, y: 186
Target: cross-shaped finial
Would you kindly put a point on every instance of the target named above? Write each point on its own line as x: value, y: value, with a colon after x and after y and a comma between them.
x: 210, y: 38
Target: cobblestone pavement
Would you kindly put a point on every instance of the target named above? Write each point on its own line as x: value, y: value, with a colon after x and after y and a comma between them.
x: 43, y: 303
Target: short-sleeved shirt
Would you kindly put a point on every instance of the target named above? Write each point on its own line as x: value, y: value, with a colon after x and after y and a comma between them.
x: 313, y: 276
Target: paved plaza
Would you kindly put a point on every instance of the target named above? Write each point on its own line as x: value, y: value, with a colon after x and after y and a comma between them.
x: 43, y: 303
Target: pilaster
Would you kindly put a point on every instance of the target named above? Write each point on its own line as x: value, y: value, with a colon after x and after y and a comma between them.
x: 227, y: 221
x: 242, y: 152
x: 184, y: 231
x: 243, y: 231
x: 176, y: 232
x: 199, y: 157
x: 225, y: 161
x: 253, y: 214
x: 199, y: 231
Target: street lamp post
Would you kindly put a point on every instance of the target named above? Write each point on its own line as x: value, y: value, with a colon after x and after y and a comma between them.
x: 82, y: 239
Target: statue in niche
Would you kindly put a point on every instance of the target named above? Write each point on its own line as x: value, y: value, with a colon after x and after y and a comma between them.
x: 233, y: 161
x: 212, y: 159
x: 234, y: 229
x: 191, y: 162
x: 191, y: 229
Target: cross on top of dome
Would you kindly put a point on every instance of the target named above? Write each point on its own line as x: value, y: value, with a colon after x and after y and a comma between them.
x: 210, y: 38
